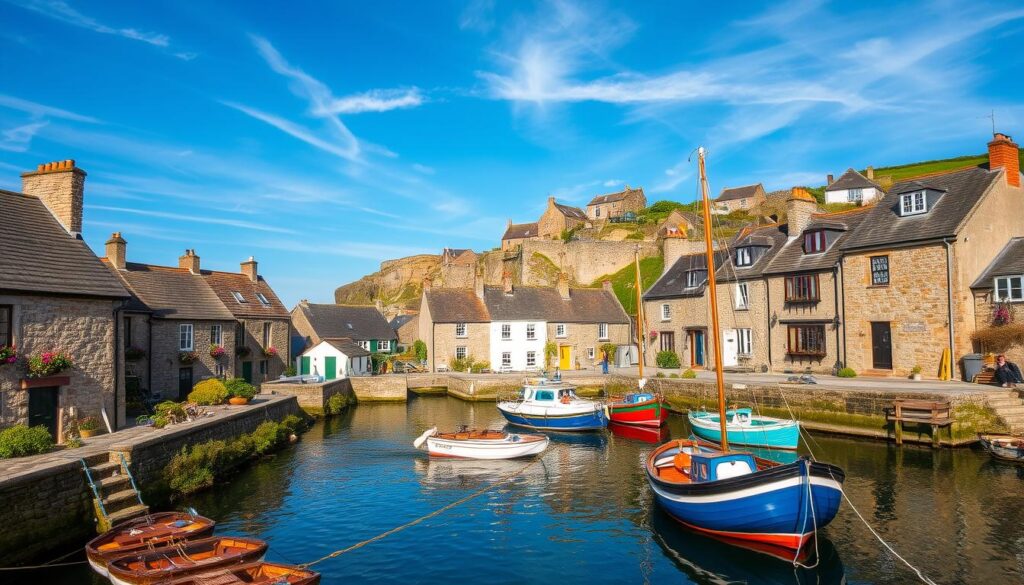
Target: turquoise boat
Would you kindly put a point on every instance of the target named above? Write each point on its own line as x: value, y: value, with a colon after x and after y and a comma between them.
x: 746, y: 428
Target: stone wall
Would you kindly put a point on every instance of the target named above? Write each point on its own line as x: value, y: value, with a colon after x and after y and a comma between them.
x: 166, y: 367
x: 280, y: 338
x: 379, y: 388
x: 441, y: 350
x: 580, y: 337
x: 81, y: 328
x: 823, y: 312
x: 586, y: 261
x: 685, y: 313
x: 311, y: 397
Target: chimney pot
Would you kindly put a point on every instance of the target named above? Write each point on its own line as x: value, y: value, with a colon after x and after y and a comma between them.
x: 607, y: 285
x: 799, y: 208
x: 870, y: 173
x: 61, y: 187
x: 249, y: 269
x: 189, y: 261
x: 1003, y: 153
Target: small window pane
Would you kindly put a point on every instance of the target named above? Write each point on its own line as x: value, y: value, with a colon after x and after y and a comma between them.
x: 666, y: 312
x: 879, y: 270
x: 238, y: 296
x: 460, y: 352
x: 460, y: 330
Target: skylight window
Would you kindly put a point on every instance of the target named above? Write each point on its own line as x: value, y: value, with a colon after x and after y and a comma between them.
x: 744, y: 256
x: 263, y: 300
x: 238, y: 296
x: 913, y: 203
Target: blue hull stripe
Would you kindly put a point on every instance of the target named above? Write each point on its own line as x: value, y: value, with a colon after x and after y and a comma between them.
x: 583, y: 422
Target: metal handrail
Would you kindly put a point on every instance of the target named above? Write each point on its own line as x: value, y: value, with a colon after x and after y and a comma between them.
x: 128, y: 472
x: 95, y: 491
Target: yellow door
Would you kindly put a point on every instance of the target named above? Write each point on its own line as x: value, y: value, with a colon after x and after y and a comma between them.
x: 564, y: 355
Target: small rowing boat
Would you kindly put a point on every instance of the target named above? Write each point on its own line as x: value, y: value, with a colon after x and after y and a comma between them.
x: 149, y: 567
x: 638, y: 408
x: 144, y: 533
x: 487, y: 444
x: 743, y: 427
x: 261, y: 573
x: 551, y: 405
x: 1004, y: 447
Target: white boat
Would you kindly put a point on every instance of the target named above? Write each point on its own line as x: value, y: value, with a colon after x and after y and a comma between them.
x: 486, y: 444
x: 553, y: 406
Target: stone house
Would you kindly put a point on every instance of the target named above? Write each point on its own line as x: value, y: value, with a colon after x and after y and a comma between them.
x: 678, y: 224
x: 738, y: 198
x: 407, y: 327
x: 334, y: 359
x: 1001, y: 285
x: 458, y: 267
x: 363, y: 325
x: 853, y: 187
x: 611, y: 205
x: 55, y: 295
x: 910, y: 267
x: 517, y: 233
x: 454, y: 324
x: 558, y: 218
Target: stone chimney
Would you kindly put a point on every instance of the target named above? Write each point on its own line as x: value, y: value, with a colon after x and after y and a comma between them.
x: 117, y: 251
x: 509, y: 224
x: 799, y: 208
x: 249, y: 269
x: 870, y: 172
x: 506, y: 282
x: 1003, y: 154
x: 607, y: 285
x: 427, y: 283
x: 551, y: 201
x: 562, y: 286
x: 829, y: 179
x: 60, y: 186
x: 478, y: 282
x: 189, y: 261
x: 674, y: 248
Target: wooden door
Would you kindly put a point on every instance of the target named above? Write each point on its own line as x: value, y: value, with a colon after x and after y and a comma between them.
x: 881, y: 345
x: 247, y: 371
x: 698, y: 347
x: 730, y: 348
x: 330, y: 367
x: 564, y: 357
x: 304, y: 365
x: 43, y: 408
x: 184, y: 383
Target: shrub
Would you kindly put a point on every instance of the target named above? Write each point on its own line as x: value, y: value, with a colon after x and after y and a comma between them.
x: 72, y: 442
x: 462, y: 365
x: 659, y: 375
x: 478, y: 367
x: 48, y: 363
x: 238, y: 387
x: 689, y: 374
x: 673, y: 375
x: 609, y: 350
x: 419, y: 348
x: 550, y: 350
x: 290, y: 371
x: 168, y: 412
x: 88, y: 423
x: 846, y: 373
x: 916, y: 370
x: 21, y: 440
x: 667, y: 359
x: 209, y: 392
x: 267, y: 436
x: 295, y: 424
x: 335, y: 404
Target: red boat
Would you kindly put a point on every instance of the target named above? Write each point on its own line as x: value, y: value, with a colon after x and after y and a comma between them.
x: 651, y: 435
x: 639, y: 408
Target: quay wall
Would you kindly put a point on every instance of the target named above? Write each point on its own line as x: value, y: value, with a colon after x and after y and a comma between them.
x: 379, y: 388
x: 313, y: 397
x: 48, y: 508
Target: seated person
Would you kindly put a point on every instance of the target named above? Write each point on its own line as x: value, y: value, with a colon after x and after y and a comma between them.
x: 1007, y: 373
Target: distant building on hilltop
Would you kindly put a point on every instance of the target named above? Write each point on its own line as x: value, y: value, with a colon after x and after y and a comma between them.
x: 516, y: 233
x: 738, y: 198
x: 853, y: 187
x: 558, y: 218
x: 612, y: 205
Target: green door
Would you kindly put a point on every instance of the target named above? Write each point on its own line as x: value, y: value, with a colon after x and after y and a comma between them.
x: 247, y: 371
x: 43, y: 407
x: 330, y: 367
x: 304, y: 367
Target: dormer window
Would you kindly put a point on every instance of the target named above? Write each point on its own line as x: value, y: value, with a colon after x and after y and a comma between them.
x: 695, y: 278
x: 238, y: 296
x: 815, y: 242
x: 744, y: 256
x: 913, y: 203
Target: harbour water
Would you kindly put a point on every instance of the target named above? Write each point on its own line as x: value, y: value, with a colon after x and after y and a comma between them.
x: 584, y: 513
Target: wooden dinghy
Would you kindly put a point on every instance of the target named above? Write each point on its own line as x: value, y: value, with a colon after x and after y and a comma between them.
x: 1004, y: 447
x: 260, y: 573
x: 184, y: 560
x: 144, y: 533
x: 485, y: 444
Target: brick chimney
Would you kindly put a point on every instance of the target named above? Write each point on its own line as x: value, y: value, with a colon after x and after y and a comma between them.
x: 829, y: 179
x: 870, y: 172
x: 249, y: 269
x: 60, y: 186
x: 117, y: 251
x: 478, y: 282
x: 799, y: 208
x: 1003, y: 154
x: 506, y: 282
x: 189, y: 261
x: 562, y: 286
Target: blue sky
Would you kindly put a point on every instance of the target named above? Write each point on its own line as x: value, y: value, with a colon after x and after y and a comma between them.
x: 325, y: 137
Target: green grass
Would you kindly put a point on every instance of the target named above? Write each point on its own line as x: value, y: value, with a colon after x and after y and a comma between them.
x: 624, y: 281
x: 901, y: 172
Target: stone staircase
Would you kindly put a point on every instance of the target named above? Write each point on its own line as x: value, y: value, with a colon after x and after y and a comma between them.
x: 1008, y: 406
x: 114, y: 486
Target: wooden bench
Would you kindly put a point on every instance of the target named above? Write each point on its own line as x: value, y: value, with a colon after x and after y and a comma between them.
x: 937, y: 414
x: 986, y: 376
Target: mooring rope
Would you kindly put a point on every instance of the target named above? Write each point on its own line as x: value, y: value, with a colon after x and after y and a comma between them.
x: 46, y: 566
x: 437, y: 512
x: 807, y: 441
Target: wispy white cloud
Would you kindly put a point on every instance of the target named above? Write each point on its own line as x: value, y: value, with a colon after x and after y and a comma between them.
x: 613, y: 182
x: 346, y: 148
x: 63, y: 12
x: 478, y: 15
x: 17, y: 139
x: 423, y: 169
x: 377, y: 100
x: 40, y: 110
x: 194, y: 218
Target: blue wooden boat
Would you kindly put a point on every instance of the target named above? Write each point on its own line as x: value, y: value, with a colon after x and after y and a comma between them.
x: 743, y: 427
x: 553, y: 406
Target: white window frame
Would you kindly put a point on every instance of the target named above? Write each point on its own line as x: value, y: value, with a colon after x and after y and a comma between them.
x: 913, y: 203
x: 744, y: 342
x: 220, y: 370
x: 742, y: 296
x: 186, y: 337
x: 460, y: 330
x: 506, y: 331
x: 262, y: 299
x: 590, y: 353
x: 1003, y: 289
x: 460, y: 349
x: 744, y: 256
x: 597, y: 211
x: 666, y: 312
x: 506, y: 359
x: 216, y: 335
x: 364, y: 344
x: 531, y: 331
x: 855, y: 195
x: 602, y: 332
x: 531, y: 359
x: 561, y: 331
x: 383, y: 345
x: 238, y: 297
x: 268, y: 335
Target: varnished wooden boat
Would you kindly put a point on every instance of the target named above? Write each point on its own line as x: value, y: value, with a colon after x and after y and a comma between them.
x: 144, y: 533
x: 187, y: 559
x: 485, y: 444
x: 260, y: 573
x: 1004, y: 447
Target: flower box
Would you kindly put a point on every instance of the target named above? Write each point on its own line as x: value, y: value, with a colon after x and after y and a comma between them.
x: 217, y: 351
x: 188, y: 357
x: 48, y: 363
x: 270, y: 352
x: 8, y: 355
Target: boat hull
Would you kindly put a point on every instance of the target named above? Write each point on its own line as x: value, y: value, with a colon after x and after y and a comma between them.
x: 780, y: 506
x: 590, y: 420
x: 487, y: 449
x: 650, y: 413
x: 154, y: 530
x: 778, y: 434
x: 1004, y: 447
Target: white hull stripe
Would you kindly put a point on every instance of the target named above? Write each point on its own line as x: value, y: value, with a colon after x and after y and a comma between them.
x: 715, y: 426
x: 748, y: 492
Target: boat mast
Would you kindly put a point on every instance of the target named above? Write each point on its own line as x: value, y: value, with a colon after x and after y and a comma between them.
x: 639, y: 312
x: 716, y: 337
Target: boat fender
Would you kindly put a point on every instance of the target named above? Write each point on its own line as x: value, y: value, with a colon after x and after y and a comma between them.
x: 419, y: 440
x: 566, y: 399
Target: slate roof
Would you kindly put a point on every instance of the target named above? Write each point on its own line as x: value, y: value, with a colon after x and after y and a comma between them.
x: 1009, y: 262
x: 452, y: 305
x: 584, y: 305
x: 791, y: 258
x: 38, y: 255
x: 772, y: 236
x: 851, y: 179
x: 571, y: 212
x: 613, y: 197
x: 172, y: 293
x: 518, y: 231
x: 884, y: 226
x: 732, y: 193
x: 400, y: 320
x: 359, y: 323
x: 672, y: 284
x: 223, y: 283
x: 347, y: 347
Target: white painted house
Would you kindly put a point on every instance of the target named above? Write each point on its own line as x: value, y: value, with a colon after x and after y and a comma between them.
x: 334, y: 359
x: 517, y: 346
x: 853, y: 187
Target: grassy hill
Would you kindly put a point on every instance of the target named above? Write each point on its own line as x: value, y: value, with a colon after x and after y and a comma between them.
x: 901, y: 172
x: 624, y: 281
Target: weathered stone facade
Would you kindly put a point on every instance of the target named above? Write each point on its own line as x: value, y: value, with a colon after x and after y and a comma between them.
x: 616, y: 204
x: 84, y: 329
x: 264, y: 367
x: 168, y: 370
x: 442, y: 344
x: 823, y: 312
x: 582, y: 339
x: 61, y: 187
x: 556, y: 220
x: 584, y: 261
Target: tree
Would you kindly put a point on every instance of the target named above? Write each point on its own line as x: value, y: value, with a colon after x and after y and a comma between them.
x: 550, y: 349
x: 420, y: 349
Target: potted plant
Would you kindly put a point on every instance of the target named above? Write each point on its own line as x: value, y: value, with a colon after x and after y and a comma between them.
x: 217, y: 351
x: 915, y: 373
x: 188, y: 357
x: 239, y: 391
x: 270, y: 351
x: 134, y: 354
x: 88, y: 427
x: 8, y: 355
x: 48, y: 363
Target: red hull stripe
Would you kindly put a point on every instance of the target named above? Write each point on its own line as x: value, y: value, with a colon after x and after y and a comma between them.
x: 790, y: 541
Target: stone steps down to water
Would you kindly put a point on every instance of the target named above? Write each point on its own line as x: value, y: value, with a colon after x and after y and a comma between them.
x: 1008, y: 406
x: 121, y: 501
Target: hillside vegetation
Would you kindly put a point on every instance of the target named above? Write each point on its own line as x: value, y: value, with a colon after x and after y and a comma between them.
x: 624, y: 281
